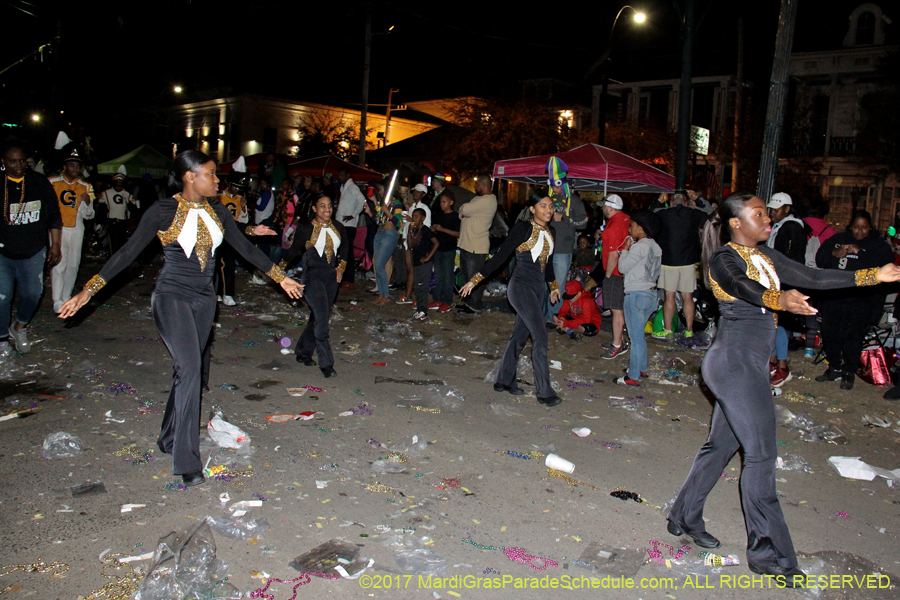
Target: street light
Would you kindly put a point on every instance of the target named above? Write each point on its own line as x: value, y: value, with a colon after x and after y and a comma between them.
x: 639, y: 18
x: 177, y: 89
x: 35, y: 117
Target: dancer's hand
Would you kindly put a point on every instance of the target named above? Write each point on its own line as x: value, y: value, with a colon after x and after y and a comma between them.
x: 888, y: 273
x: 293, y: 289
x: 466, y: 289
x: 340, y: 274
x: 263, y: 230
x: 74, y: 303
x: 795, y: 302
x: 554, y: 296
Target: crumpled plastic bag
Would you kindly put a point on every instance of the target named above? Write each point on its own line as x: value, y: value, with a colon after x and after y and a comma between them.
x: 420, y: 562
x: 410, y: 445
x: 236, y: 528
x: 226, y: 435
x: 792, y: 462
x: 185, y: 566
x: 61, y: 445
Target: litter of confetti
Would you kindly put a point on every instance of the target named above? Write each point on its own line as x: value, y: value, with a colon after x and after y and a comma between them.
x: 523, y: 455
x: 137, y: 457
x: 378, y: 487
x: 569, y: 480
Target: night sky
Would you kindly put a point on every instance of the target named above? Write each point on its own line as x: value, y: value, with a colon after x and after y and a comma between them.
x: 126, y: 53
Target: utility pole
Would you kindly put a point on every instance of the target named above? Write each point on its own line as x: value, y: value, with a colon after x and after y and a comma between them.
x: 738, y: 109
x: 367, y: 63
x: 387, y: 118
x: 768, y: 163
x: 684, y: 97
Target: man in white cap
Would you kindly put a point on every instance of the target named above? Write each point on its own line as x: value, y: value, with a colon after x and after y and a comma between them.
x: 75, y: 196
x: 347, y: 214
x: 614, y: 236
x: 118, y: 204
x: 788, y: 237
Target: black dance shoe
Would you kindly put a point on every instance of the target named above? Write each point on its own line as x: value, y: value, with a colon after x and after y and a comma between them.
x: 702, y: 539
x: 512, y: 389
x: 329, y: 372
x: 893, y: 393
x: 306, y: 360
x: 784, y: 576
x: 191, y: 479
x: 554, y: 401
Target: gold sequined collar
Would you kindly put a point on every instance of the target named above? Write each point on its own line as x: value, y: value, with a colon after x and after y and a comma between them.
x: 204, y: 243
x: 546, y: 247
x: 328, y: 252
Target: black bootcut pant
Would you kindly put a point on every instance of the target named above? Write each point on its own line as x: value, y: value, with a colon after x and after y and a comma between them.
x: 320, y: 289
x: 184, y: 323
x: 526, y: 295
x: 844, y: 326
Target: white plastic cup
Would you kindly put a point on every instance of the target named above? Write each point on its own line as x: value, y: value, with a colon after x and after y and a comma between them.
x: 554, y: 461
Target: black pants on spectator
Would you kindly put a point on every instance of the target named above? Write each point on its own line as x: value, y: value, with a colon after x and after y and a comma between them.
x: 844, y: 326
x: 421, y: 280
x: 469, y: 264
x: 350, y: 271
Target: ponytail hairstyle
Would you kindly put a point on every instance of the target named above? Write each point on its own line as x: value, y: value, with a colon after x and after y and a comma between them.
x: 717, y: 231
x: 189, y: 160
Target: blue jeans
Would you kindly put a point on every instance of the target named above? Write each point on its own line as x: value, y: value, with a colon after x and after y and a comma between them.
x: 781, y: 343
x: 638, y: 308
x: 28, y: 275
x: 443, y: 276
x: 385, y: 242
x: 561, y: 264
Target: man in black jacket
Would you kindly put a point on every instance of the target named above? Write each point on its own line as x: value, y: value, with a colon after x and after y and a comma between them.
x: 680, y: 243
x: 788, y: 237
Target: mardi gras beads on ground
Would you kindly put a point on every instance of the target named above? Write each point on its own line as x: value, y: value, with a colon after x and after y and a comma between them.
x: 656, y: 553
x: 303, y: 579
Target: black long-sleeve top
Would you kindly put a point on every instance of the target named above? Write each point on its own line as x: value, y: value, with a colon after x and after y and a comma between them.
x: 522, y: 239
x: 23, y: 227
x: 331, y: 256
x: 181, y: 273
x: 747, y: 281
x: 873, y: 252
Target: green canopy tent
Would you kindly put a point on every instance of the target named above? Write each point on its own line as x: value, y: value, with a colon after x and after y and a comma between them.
x: 142, y: 160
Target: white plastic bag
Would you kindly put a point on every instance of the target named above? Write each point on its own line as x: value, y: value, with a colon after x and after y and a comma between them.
x: 226, y: 435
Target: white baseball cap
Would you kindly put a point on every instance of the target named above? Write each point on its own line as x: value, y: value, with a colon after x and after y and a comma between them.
x: 615, y: 201
x: 778, y: 200
x: 420, y: 187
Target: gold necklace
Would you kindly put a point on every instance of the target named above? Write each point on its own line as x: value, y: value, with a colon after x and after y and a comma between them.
x: 21, y: 205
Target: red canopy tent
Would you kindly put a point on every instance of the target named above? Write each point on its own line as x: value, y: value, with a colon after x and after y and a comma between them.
x: 591, y: 167
x: 318, y: 167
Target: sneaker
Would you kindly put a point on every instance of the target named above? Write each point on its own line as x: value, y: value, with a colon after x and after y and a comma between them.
x: 434, y: 305
x: 846, y: 381
x: 662, y: 335
x: 218, y: 299
x: 615, y: 351
x: 404, y: 300
x: 626, y: 380
x: 445, y: 308
x: 688, y: 334
x: 420, y: 316
x: 644, y: 375
x: 228, y: 301
x: 465, y: 309
x: 606, y: 313
x: 575, y: 336
x: 57, y: 306
x: 19, y: 337
x: 830, y: 375
x: 781, y: 376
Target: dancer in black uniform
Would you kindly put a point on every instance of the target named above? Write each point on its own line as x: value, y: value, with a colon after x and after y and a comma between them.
x: 532, y: 241
x: 184, y: 300
x: 746, y: 279
x: 325, y: 248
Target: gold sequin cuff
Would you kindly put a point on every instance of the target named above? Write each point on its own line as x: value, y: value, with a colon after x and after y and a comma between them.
x: 772, y: 299
x: 95, y: 284
x: 866, y: 277
x: 249, y: 229
x: 553, y: 286
x: 476, y: 279
x: 276, y: 274
x: 341, y: 266
x: 282, y: 264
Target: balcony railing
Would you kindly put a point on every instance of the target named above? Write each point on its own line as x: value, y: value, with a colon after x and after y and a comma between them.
x: 839, y: 146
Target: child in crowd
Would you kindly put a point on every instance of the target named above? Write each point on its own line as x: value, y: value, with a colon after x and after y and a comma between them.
x: 585, y: 256
x: 446, y: 226
x: 640, y: 261
x: 578, y: 316
x: 422, y: 246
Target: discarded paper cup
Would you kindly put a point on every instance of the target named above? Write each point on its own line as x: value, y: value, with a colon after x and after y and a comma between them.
x: 554, y: 461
